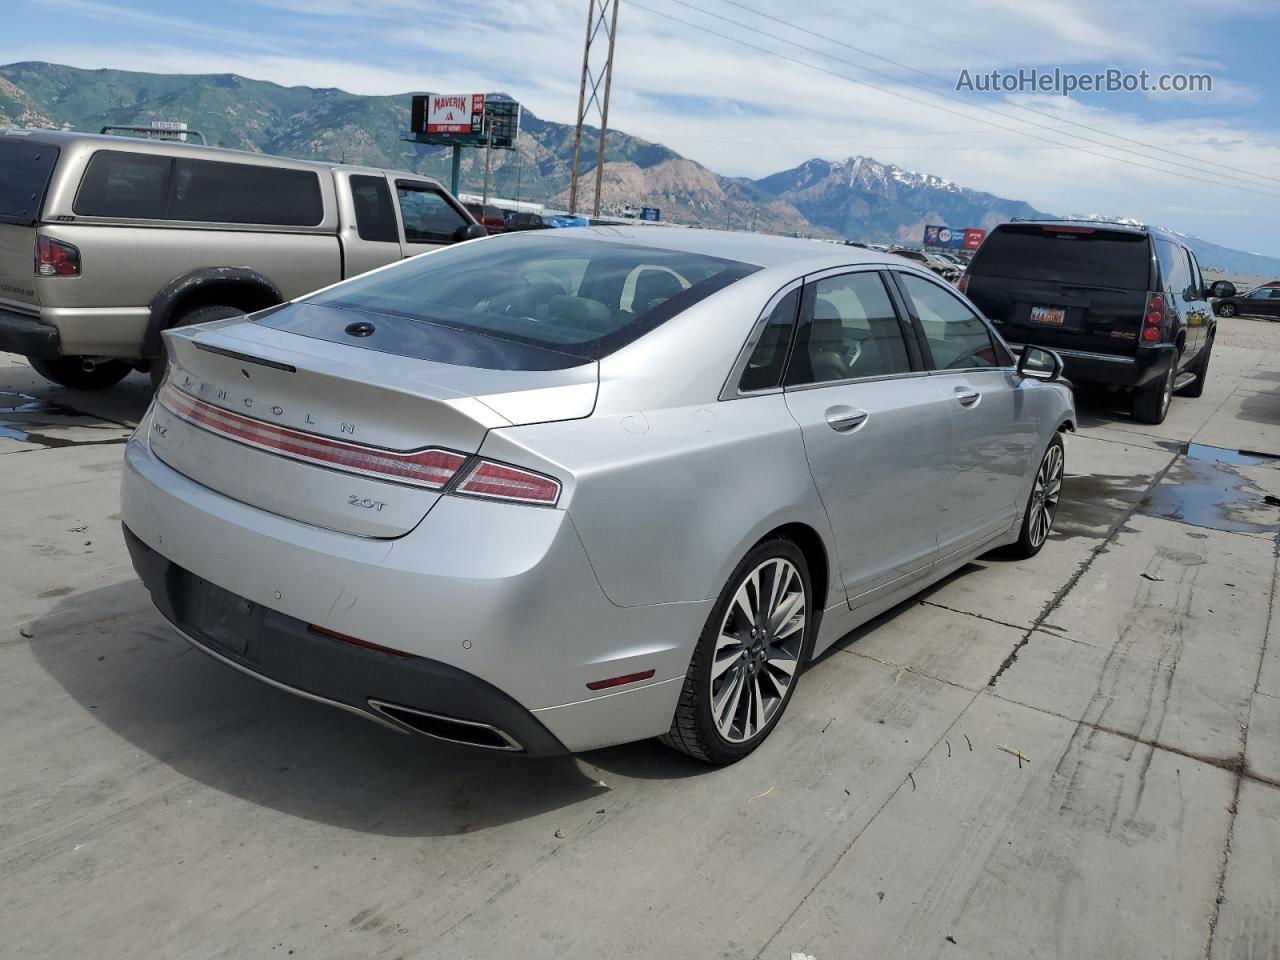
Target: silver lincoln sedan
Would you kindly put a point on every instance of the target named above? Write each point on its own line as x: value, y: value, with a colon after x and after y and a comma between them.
x: 556, y: 490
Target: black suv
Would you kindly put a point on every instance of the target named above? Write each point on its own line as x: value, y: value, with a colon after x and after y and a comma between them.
x: 1123, y: 305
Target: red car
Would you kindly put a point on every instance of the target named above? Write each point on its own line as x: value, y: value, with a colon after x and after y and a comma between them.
x: 488, y: 216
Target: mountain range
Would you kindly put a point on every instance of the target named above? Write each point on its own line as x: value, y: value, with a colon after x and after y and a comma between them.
x: 858, y: 198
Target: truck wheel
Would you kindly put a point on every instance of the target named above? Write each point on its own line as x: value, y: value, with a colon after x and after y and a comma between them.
x: 81, y: 373
x: 1201, y: 369
x: 1151, y: 403
x: 160, y: 365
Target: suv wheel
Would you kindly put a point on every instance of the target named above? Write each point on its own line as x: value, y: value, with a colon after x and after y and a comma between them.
x: 81, y: 373
x: 749, y: 656
x: 1151, y: 403
x: 160, y: 365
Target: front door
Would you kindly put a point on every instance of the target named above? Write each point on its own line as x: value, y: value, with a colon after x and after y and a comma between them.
x: 875, y: 432
x: 993, y: 433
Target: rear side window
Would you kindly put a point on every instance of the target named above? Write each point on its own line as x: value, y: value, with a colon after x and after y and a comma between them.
x: 130, y: 185
x: 375, y: 218
x: 428, y: 217
x: 1174, y: 269
x: 25, y: 169
x: 853, y: 333
x: 764, y: 369
x: 142, y: 186
x: 958, y: 339
x: 1082, y: 256
x: 544, y: 290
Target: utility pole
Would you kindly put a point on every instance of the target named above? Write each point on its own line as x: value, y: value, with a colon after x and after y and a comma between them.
x: 602, y: 24
x: 488, y: 149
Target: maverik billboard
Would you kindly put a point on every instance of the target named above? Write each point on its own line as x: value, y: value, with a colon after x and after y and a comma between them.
x: 954, y: 238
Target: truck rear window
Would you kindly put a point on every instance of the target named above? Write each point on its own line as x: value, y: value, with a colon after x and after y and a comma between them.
x: 25, y: 169
x: 1099, y: 258
x: 147, y: 186
x: 579, y: 297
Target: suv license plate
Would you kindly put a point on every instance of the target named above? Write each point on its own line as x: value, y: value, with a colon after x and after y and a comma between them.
x: 1049, y: 316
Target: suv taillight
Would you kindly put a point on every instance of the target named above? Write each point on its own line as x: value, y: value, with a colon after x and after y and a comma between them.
x: 963, y: 283
x: 1155, y: 318
x: 54, y: 258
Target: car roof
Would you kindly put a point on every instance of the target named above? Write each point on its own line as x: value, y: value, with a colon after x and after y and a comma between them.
x: 199, y: 151
x: 754, y: 248
x: 1119, y: 226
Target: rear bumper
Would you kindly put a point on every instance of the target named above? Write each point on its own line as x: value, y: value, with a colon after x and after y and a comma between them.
x: 1081, y: 366
x: 24, y: 334
x: 282, y: 650
x: 496, y: 603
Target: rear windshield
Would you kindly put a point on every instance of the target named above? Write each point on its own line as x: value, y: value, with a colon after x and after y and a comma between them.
x: 577, y: 296
x: 1101, y: 258
x: 25, y: 168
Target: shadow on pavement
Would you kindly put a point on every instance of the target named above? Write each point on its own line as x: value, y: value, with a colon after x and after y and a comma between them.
x: 133, y: 674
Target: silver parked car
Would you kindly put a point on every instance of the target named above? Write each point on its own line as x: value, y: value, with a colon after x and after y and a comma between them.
x: 557, y: 490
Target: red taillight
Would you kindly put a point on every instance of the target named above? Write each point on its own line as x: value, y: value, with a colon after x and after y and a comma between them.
x: 355, y: 641
x: 501, y: 482
x: 431, y: 468
x: 963, y: 283
x: 1155, y: 317
x: 56, y: 259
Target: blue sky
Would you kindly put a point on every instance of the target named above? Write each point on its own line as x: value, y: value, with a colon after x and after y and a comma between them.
x: 1206, y: 163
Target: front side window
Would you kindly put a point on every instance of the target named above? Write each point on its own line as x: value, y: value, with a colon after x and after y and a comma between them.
x: 854, y: 333
x: 957, y: 337
x: 1263, y: 294
x: 764, y: 368
x: 1197, y: 279
x: 428, y: 217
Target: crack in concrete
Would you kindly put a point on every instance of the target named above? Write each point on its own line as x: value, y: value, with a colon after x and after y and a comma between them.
x: 978, y: 616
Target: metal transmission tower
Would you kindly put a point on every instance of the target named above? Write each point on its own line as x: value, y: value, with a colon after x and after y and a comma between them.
x: 602, y: 24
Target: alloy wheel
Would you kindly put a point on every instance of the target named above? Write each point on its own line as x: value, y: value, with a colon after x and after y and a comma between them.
x: 1045, y: 495
x: 757, y: 650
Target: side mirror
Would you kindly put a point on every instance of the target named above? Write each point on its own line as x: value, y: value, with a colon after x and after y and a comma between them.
x: 1036, y: 363
x: 469, y: 231
x: 1223, y: 288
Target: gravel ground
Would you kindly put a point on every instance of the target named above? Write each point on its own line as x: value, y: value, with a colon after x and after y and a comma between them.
x: 1250, y: 334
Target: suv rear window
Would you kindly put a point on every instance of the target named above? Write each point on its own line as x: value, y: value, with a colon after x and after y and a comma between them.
x: 25, y: 169
x: 579, y: 297
x: 1097, y: 258
x: 146, y: 186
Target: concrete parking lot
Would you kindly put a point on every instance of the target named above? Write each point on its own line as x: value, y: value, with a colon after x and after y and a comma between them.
x: 1076, y: 756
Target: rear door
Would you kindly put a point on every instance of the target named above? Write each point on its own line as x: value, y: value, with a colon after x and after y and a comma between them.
x: 876, y: 433
x: 428, y: 218
x: 993, y: 434
x: 26, y: 166
x: 1176, y: 281
x: 1064, y: 286
x: 374, y: 237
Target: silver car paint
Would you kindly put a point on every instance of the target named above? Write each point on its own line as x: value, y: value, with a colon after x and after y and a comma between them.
x: 666, y: 487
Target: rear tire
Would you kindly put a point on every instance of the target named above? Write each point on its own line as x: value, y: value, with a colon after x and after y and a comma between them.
x: 1201, y: 369
x: 160, y: 365
x: 70, y: 372
x: 758, y: 638
x: 1042, y: 505
x: 1151, y: 403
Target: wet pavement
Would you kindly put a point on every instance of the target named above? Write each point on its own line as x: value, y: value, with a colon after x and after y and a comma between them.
x: 1075, y: 756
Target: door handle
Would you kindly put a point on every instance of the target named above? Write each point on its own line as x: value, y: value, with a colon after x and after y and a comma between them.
x: 967, y: 396
x: 844, y: 419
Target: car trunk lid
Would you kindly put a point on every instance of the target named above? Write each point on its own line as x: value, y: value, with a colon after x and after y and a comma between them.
x: 333, y: 435
x: 1064, y: 286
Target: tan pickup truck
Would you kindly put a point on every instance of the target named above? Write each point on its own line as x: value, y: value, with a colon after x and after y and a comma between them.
x: 107, y: 241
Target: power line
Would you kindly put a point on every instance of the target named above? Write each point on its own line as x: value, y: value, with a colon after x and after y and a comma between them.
x: 1015, y: 106
x: 948, y: 96
x: 903, y: 96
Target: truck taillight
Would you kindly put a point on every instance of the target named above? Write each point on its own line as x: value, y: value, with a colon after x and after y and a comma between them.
x: 963, y: 283
x: 54, y: 258
x: 1155, y: 317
